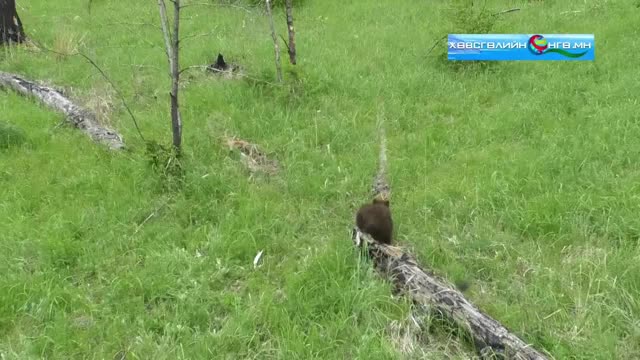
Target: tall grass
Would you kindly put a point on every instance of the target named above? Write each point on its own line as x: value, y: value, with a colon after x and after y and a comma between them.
x: 520, y: 178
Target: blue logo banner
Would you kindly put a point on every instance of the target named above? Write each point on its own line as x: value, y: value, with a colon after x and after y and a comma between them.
x: 515, y: 47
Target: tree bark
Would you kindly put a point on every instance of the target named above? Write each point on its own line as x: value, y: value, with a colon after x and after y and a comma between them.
x: 75, y: 115
x: 432, y: 292
x: 291, y: 31
x: 276, y: 48
x: 172, y: 46
x: 11, y: 29
x: 176, y: 119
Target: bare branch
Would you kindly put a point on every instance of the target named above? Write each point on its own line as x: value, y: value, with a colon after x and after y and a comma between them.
x: 436, y: 44
x: 164, y: 21
x: 217, y: 5
x: 104, y: 75
x: 276, y: 48
x: 126, y: 106
x: 506, y: 11
x: 193, y: 67
x: 132, y: 24
x: 193, y: 36
x: 284, y: 41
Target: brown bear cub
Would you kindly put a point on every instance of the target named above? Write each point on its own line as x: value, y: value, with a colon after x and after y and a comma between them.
x: 375, y: 220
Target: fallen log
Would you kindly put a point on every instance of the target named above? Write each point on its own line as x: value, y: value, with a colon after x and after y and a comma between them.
x: 429, y: 291
x: 75, y: 115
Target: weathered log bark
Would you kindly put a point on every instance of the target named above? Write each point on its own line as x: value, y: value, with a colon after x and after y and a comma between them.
x: 75, y: 115
x: 11, y: 29
x: 432, y: 292
x: 292, y: 34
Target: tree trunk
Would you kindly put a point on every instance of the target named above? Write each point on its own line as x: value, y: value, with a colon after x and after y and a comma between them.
x: 276, y: 48
x: 11, y: 29
x: 172, y: 47
x: 176, y: 120
x: 291, y: 31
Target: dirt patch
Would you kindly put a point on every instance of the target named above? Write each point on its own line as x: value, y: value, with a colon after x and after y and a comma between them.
x: 224, y: 69
x: 254, y: 158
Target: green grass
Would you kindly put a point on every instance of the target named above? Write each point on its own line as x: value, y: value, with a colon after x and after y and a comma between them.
x: 519, y: 177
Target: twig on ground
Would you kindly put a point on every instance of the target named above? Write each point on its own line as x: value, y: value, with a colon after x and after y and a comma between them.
x: 436, y: 44
x: 506, y: 11
x: 218, y: 5
x: 571, y: 12
x: 237, y: 74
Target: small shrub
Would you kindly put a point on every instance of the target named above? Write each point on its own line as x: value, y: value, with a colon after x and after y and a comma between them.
x: 468, y: 17
x: 166, y: 162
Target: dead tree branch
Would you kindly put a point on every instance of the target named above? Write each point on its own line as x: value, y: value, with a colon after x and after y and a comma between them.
x: 218, y: 5
x: 121, y: 23
x: 506, y: 11
x: 436, y: 44
x: 75, y: 115
x: 194, y: 36
x: 292, y: 40
x: 276, y: 48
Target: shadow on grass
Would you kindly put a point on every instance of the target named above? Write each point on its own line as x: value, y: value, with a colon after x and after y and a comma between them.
x: 11, y: 136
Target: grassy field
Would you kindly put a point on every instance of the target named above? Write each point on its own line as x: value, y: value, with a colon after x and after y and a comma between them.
x: 521, y: 178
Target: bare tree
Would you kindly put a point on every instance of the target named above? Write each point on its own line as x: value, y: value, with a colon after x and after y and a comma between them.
x: 172, y: 47
x: 11, y: 29
x: 275, y: 42
x: 292, y: 39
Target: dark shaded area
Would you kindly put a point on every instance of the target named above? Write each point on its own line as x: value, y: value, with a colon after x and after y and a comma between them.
x: 11, y: 29
x: 220, y: 64
x: 10, y: 136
